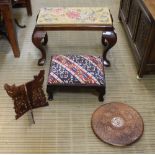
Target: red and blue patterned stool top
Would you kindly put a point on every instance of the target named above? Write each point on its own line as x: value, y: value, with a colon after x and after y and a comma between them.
x: 76, y: 69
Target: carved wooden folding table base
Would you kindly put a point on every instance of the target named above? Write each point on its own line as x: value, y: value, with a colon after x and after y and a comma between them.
x: 28, y: 96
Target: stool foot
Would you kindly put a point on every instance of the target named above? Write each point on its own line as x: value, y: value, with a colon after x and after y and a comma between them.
x: 101, y: 98
x: 50, y: 97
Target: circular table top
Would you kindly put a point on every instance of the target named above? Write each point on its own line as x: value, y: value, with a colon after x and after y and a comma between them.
x: 117, y: 124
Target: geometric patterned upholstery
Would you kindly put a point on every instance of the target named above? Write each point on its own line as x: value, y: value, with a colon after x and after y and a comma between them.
x: 76, y: 70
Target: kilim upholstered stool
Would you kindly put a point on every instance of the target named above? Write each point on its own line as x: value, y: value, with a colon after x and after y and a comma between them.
x: 76, y: 71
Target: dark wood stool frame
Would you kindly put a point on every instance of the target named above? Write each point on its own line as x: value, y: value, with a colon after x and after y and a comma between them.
x: 40, y: 37
x: 52, y: 88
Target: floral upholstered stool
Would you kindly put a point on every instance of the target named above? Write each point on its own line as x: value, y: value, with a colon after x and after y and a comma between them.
x: 76, y: 71
x: 73, y: 19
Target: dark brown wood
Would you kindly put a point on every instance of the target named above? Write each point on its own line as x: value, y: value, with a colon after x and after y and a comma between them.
x: 75, y: 88
x: 138, y: 19
x: 39, y: 34
x: 109, y: 39
x: 37, y: 38
x: 29, y: 7
x: 28, y: 96
x: 18, y: 94
x: 23, y: 3
x: 6, y: 12
x: 117, y: 124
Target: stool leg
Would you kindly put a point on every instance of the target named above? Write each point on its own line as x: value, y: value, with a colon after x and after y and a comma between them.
x: 50, y: 91
x: 37, y: 38
x: 100, y: 97
x: 28, y: 7
x: 50, y: 96
x: 109, y: 39
x: 101, y: 94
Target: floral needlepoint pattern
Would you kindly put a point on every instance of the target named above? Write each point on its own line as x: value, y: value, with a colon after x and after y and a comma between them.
x: 57, y: 11
x: 76, y: 69
x: 74, y: 15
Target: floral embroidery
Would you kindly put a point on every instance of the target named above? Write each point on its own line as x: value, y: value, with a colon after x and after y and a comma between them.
x: 57, y: 11
x: 74, y: 15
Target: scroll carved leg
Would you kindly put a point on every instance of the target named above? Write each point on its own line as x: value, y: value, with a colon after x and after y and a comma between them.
x: 109, y: 39
x: 45, y: 40
x: 40, y: 38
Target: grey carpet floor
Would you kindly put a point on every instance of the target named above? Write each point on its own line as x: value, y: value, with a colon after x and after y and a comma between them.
x: 64, y: 126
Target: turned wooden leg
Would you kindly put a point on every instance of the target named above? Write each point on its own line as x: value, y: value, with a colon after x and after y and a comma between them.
x: 28, y: 7
x: 37, y: 38
x: 109, y: 39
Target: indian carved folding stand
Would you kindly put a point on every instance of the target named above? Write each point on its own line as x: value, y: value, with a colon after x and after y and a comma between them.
x: 74, y: 18
x: 28, y: 96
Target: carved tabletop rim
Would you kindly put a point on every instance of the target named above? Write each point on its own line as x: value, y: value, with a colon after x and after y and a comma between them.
x: 122, y: 125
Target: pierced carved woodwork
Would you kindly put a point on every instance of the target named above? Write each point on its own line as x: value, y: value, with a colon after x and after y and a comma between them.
x: 27, y: 96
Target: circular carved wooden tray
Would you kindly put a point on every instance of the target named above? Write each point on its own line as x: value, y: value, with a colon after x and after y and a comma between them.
x: 117, y: 124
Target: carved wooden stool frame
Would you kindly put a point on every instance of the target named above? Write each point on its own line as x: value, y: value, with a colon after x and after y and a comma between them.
x: 40, y: 37
x: 52, y: 88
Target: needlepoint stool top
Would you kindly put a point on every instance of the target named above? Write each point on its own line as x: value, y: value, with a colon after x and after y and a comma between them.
x: 74, y: 15
x: 76, y: 70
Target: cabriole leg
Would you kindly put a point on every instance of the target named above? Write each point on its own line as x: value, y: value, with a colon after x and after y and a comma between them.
x: 109, y: 39
x: 37, y: 38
